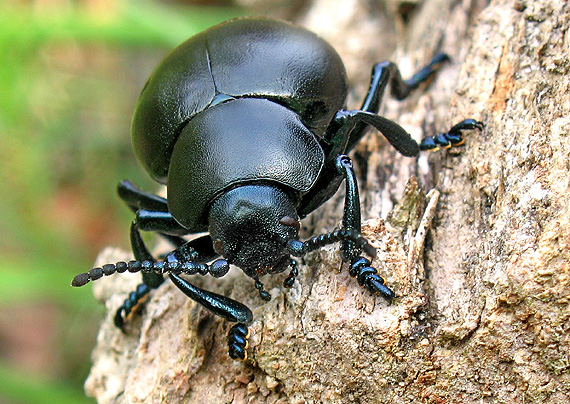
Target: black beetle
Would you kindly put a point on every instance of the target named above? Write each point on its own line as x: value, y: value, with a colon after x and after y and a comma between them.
x: 246, y: 125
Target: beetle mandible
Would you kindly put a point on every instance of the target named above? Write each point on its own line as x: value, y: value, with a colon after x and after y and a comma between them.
x: 246, y: 124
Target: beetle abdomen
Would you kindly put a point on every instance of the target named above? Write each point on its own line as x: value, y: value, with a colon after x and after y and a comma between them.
x: 247, y: 140
x: 248, y: 57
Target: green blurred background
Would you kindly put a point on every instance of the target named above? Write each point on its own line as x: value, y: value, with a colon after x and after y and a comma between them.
x: 70, y: 73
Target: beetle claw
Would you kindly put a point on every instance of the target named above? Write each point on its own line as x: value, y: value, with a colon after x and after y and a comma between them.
x: 376, y: 286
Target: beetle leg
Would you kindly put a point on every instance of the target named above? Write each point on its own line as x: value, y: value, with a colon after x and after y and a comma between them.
x: 290, y: 280
x: 191, y: 254
x: 329, y: 179
x: 152, y: 215
x: 222, y: 306
x: 227, y: 308
x: 360, y: 267
x: 150, y: 280
x: 136, y: 199
x: 385, y: 73
x: 343, y: 125
x: 237, y: 341
x: 152, y: 212
x: 368, y: 277
x: 351, y: 216
x: 454, y: 137
x: 262, y: 292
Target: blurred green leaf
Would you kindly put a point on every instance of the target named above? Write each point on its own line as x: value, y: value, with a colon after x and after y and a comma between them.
x: 41, y: 281
x: 64, y: 128
x: 24, y: 388
x: 140, y: 22
x: 69, y: 77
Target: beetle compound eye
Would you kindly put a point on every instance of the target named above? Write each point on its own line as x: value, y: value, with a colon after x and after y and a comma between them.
x: 290, y: 221
x: 219, y: 246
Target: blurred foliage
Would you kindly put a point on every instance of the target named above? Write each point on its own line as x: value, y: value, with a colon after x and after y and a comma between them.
x: 70, y: 72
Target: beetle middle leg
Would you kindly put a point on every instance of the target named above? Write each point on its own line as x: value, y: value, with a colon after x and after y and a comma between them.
x: 150, y: 280
x: 152, y: 215
x: 152, y: 212
x: 141, y: 202
x: 360, y: 267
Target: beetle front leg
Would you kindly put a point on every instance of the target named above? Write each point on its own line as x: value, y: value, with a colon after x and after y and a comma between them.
x: 222, y: 306
x: 199, y: 250
x: 237, y: 341
x: 360, y: 267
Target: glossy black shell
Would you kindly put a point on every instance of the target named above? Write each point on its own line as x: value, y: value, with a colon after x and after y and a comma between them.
x: 300, y: 81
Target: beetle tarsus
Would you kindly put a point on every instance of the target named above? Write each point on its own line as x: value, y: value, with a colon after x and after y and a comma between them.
x: 290, y: 280
x: 368, y: 277
x: 262, y: 292
x: 454, y: 137
x: 131, y: 305
x: 237, y: 341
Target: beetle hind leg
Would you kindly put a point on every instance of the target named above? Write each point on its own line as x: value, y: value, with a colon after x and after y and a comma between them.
x: 388, y: 74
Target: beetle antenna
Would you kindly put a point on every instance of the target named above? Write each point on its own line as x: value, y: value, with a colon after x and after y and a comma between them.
x: 301, y: 248
x: 217, y: 269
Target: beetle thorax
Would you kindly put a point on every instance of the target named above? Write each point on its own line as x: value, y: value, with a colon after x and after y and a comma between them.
x: 250, y: 226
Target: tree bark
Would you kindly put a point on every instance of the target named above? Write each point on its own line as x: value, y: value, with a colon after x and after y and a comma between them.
x: 482, y: 314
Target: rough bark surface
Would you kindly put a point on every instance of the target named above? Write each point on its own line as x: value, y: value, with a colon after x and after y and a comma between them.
x: 484, y: 312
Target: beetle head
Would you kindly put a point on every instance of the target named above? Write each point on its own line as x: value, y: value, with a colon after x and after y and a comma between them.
x: 251, y: 225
